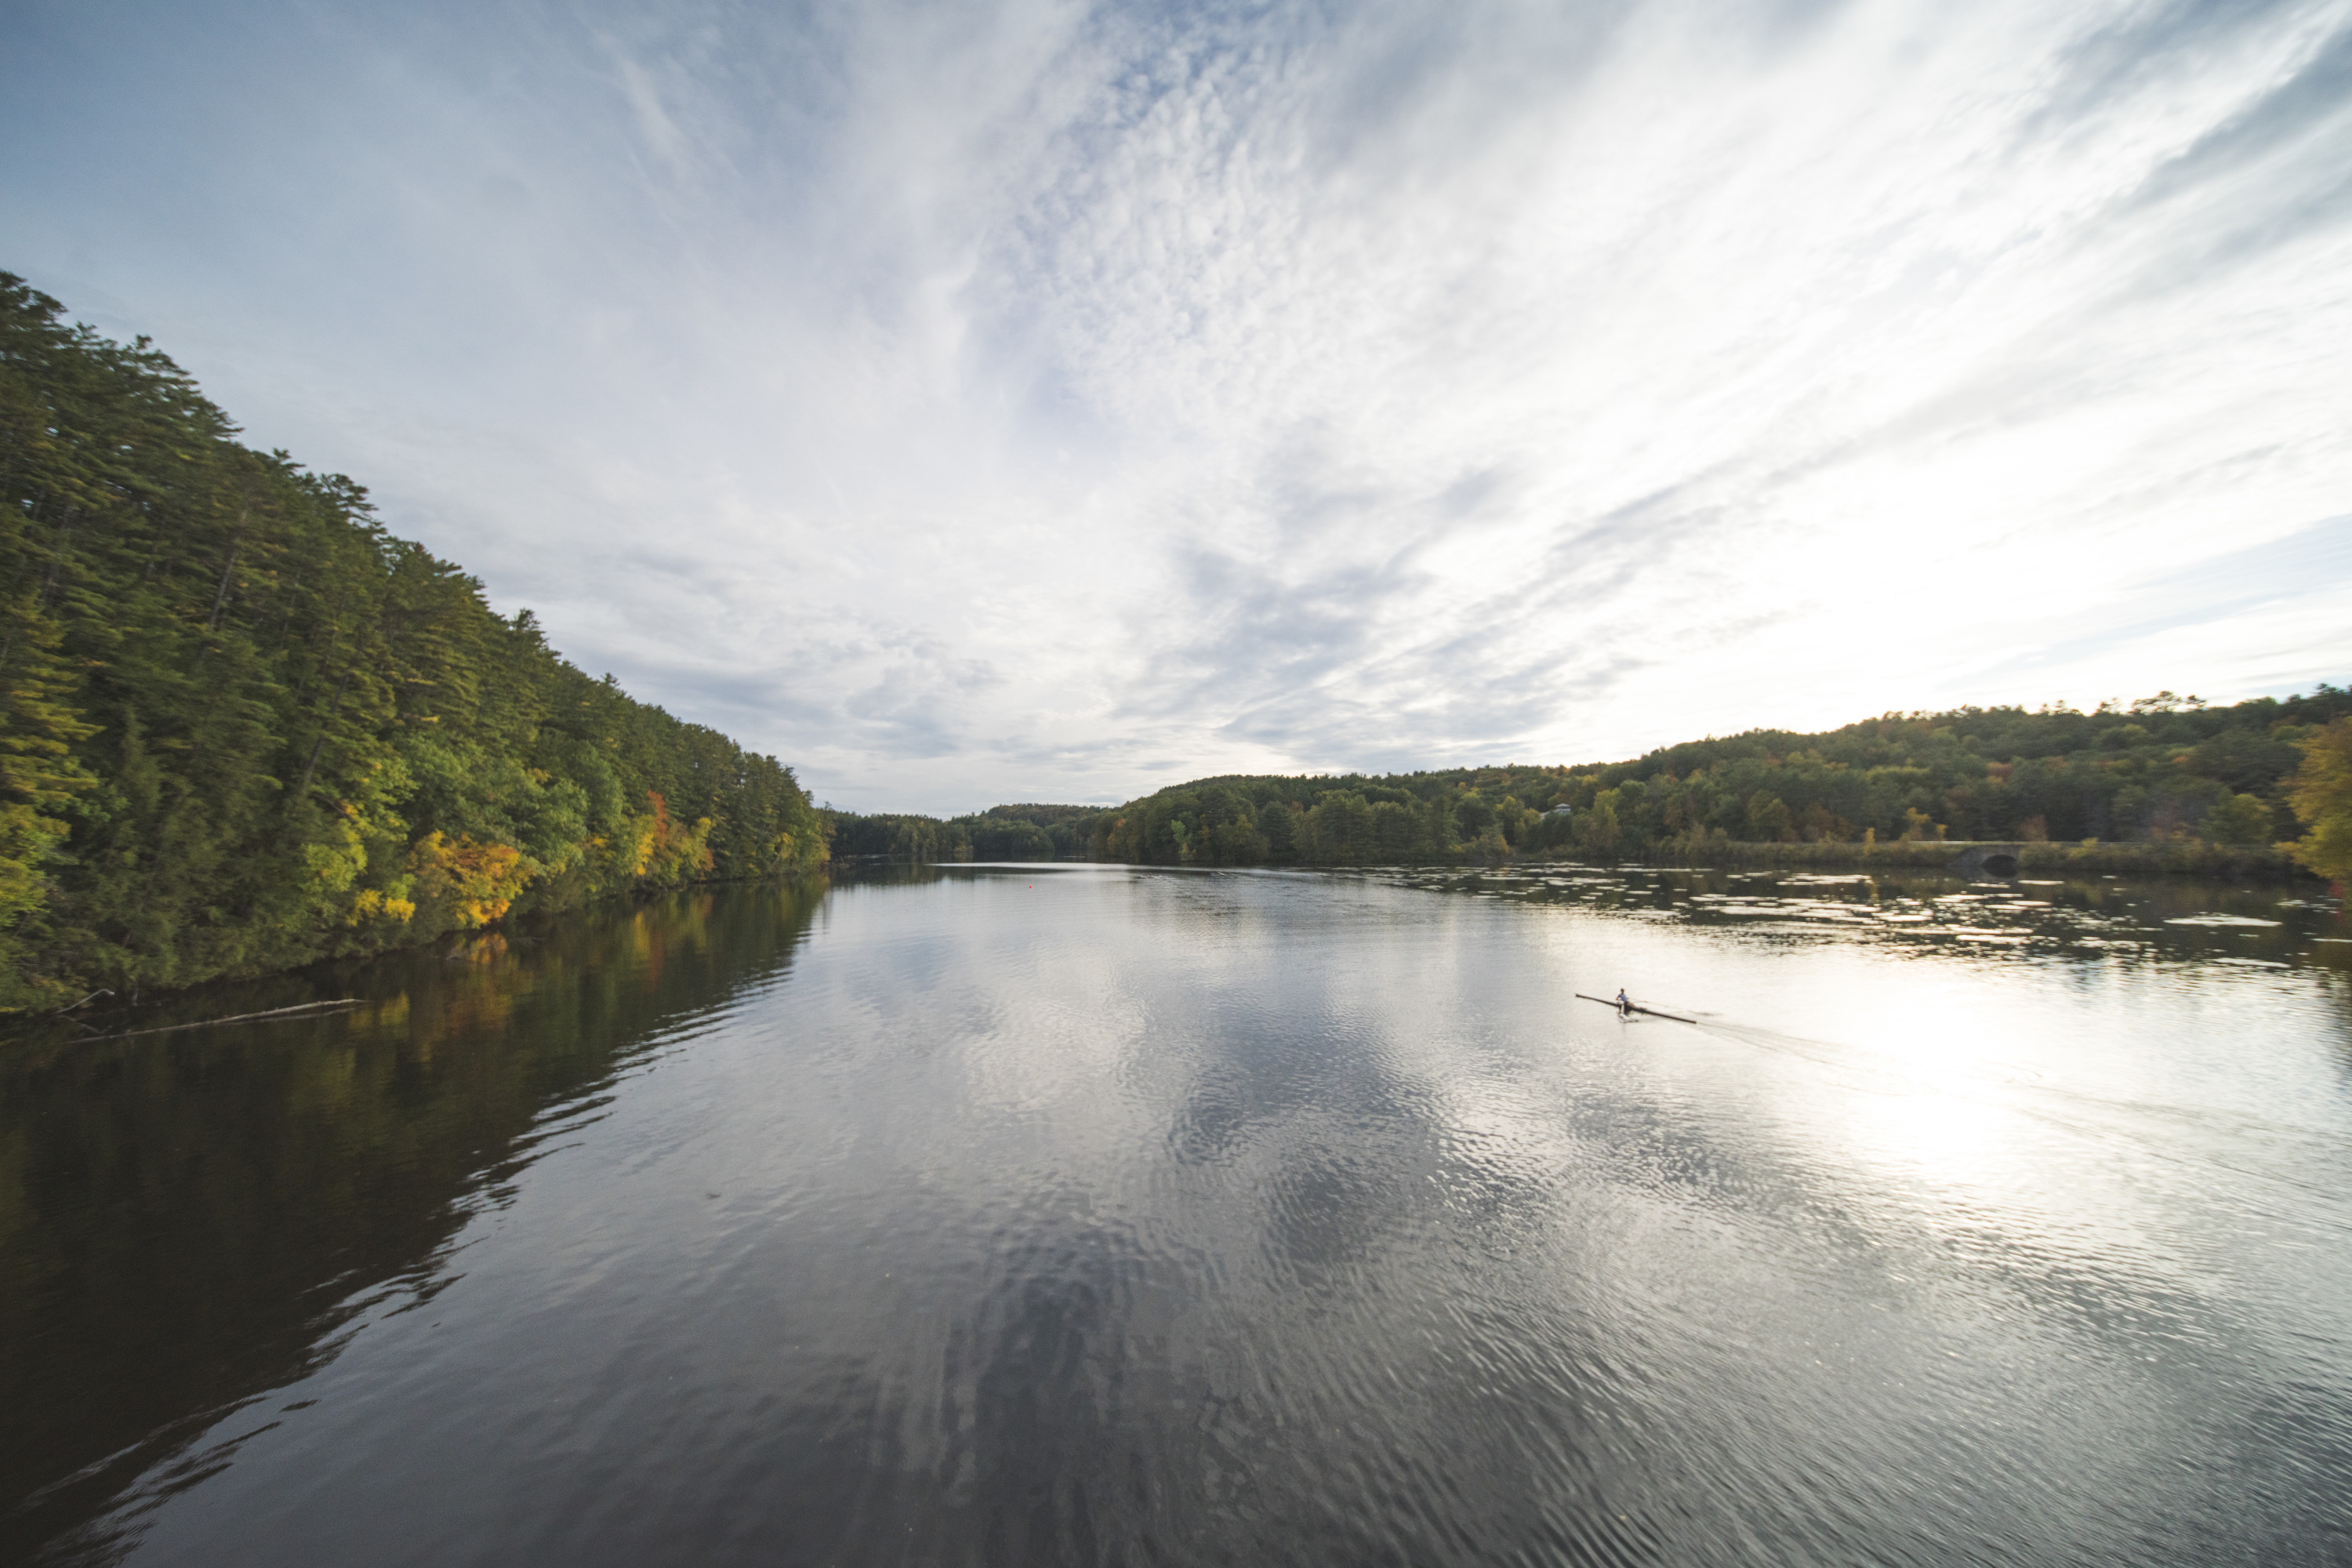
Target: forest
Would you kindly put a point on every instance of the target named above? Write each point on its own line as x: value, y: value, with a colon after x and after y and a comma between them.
x: 2161, y: 769
x: 999, y: 833
x: 244, y: 727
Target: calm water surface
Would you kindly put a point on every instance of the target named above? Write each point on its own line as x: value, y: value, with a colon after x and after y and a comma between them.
x: 1083, y: 1215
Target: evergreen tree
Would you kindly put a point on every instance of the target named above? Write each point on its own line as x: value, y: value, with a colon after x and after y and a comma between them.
x: 242, y: 726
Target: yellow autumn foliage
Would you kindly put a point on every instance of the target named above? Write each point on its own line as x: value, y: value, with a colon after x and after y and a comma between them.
x: 476, y: 882
x: 374, y: 904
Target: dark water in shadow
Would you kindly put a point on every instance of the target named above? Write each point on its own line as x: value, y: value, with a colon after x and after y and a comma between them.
x: 1082, y: 1215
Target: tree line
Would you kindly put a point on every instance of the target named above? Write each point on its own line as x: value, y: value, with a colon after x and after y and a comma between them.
x: 243, y: 727
x: 999, y: 833
x: 2163, y: 768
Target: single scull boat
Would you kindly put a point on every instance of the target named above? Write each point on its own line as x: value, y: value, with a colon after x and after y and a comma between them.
x: 1637, y: 1007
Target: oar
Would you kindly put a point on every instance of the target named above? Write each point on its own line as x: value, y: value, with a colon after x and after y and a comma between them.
x: 1637, y: 1007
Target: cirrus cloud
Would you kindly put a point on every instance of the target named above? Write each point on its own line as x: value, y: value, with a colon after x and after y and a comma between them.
x: 1042, y: 400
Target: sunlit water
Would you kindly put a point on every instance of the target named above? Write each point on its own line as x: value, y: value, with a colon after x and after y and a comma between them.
x: 1082, y: 1214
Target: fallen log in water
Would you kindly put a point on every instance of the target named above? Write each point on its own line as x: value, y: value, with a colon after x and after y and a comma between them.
x: 232, y: 1018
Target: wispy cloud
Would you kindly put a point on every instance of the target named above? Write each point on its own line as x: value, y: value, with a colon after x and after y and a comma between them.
x: 1041, y: 400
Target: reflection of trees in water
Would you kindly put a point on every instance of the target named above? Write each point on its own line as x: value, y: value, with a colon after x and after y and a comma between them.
x: 189, y: 1220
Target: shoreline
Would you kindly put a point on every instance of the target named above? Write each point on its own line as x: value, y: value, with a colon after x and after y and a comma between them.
x: 1972, y: 857
x: 2191, y: 857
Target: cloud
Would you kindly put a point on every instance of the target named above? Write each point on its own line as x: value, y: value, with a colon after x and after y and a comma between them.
x: 1040, y: 400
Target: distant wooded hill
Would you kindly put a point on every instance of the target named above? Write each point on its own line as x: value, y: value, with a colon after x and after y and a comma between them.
x: 2161, y: 769
x: 243, y: 727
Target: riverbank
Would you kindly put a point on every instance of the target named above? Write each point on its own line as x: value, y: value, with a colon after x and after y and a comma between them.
x: 2191, y: 857
x: 108, y: 1014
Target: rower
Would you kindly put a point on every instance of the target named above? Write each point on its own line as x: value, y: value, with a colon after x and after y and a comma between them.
x: 1624, y: 1004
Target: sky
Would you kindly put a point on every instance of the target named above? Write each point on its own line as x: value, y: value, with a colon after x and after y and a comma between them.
x: 1029, y: 400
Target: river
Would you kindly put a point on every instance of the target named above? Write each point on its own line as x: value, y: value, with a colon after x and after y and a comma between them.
x: 1077, y: 1215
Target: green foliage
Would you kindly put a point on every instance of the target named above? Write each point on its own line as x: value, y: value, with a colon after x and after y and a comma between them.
x: 242, y: 727
x: 2236, y: 819
x: 2163, y: 770
x: 2321, y: 793
x: 1599, y: 834
x: 999, y: 833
